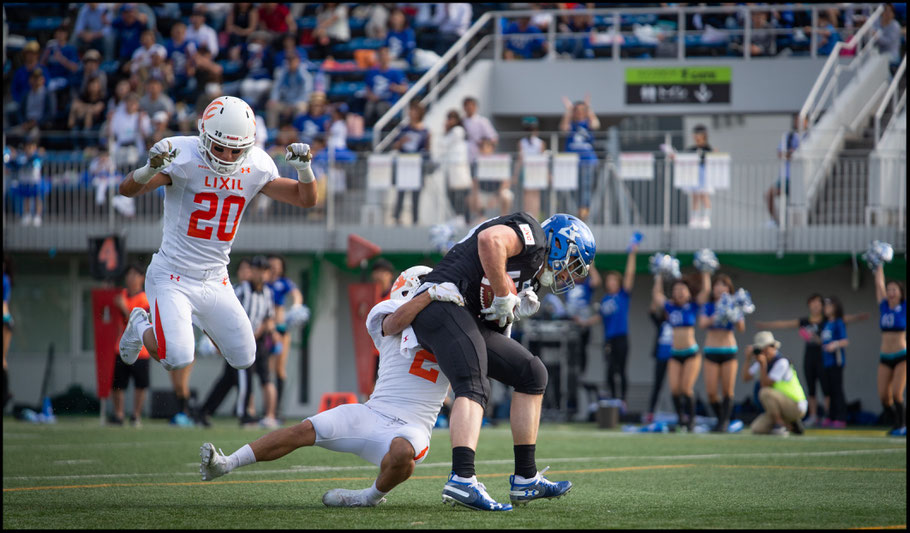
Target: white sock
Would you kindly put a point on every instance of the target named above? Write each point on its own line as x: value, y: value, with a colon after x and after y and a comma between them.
x: 471, y: 480
x: 523, y: 480
x: 242, y: 457
x: 372, y: 494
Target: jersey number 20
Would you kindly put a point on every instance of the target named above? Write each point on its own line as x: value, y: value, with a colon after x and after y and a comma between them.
x: 209, y: 213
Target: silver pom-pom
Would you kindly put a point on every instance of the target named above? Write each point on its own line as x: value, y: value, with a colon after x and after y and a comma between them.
x: 664, y: 265
x: 441, y: 236
x: 743, y: 301
x: 706, y: 261
x: 879, y: 252
x: 298, y: 315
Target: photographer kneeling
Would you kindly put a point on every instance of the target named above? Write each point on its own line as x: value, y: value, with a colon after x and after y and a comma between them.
x: 781, y: 394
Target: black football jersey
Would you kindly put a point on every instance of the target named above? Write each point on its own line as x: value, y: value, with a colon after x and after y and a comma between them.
x: 461, y: 265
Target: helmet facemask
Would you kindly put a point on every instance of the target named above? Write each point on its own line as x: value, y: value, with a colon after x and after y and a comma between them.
x: 574, y: 267
x: 222, y: 166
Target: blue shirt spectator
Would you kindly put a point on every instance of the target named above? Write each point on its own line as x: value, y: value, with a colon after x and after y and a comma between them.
x: 20, y: 84
x: 380, y: 81
x: 180, y: 50
x: 581, y: 140
x: 315, y: 122
x: 93, y: 23
x: 614, y: 309
x: 62, y: 60
x: 128, y: 29
x: 523, y: 40
x: 400, y: 39
x: 293, y: 82
x: 835, y: 330
x: 39, y: 105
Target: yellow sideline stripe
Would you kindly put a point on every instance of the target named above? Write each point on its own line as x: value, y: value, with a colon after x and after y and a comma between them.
x: 837, y: 468
x: 260, y: 481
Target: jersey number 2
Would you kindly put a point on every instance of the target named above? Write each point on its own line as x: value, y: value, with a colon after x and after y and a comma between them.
x: 209, y: 213
x: 417, y: 366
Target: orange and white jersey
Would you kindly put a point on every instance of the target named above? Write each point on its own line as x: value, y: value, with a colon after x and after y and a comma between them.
x: 202, y: 209
x: 410, y: 385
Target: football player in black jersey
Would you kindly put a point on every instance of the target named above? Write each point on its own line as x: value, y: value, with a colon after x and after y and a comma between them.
x: 506, y: 255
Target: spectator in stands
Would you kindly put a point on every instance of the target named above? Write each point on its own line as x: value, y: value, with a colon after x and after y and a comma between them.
x: 413, y: 139
x: 332, y: 27
x: 93, y: 29
x: 400, y: 39
x: 315, y: 121
x: 288, y: 45
x: 61, y: 60
x: 580, y: 122
x: 155, y: 100
x: 453, y: 20
x: 541, y: 19
x: 290, y: 91
x: 142, y: 56
x: 530, y: 144
x: 524, y: 40
x: 91, y: 69
x: 23, y: 74
x: 159, y: 69
x: 38, y: 107
x: 276, y: 18
x: 118, y: 99
x: 128, y: 29
x: 181, y: 53
x: 377, y: 20
x: 87, y: 113
x: 166, y: 15
x: 701, y: 193
x: 827, y: 35
x: 476, y: 127
x: 338, y: 129
x: 888, y: 39
x: 201, y: 33
x: 384, y: 86
x: 127, y: 130
x: 216, y: 13
x: 762, y: 39
x: 491, y: 198
x: 160, y: 129
x: 32, y: 184
x: 207, y: 71
x: 259, y: 66
x: 456, y: 165
x: 578, y: 46
x: 788, y: 144
x: 242, y: 20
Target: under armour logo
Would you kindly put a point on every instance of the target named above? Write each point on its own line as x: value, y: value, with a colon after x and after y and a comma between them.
x: 224, y: 281
x: 245, y: 170
x: 178, y: 277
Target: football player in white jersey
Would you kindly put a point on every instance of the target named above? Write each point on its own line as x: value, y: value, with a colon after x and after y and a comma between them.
x: 392, y: 429
x: 209, y: 181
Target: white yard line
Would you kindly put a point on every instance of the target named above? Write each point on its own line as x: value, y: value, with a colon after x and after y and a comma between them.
x: 307, y: 469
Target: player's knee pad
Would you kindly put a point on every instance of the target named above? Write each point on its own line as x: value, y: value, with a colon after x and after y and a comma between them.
x: 178, y: 357
x: 241, y: 356
x: 533, y: 378
x: 474, y: 388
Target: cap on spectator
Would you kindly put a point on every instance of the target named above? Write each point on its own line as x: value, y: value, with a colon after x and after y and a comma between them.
x: 160, y: 116
x: 317, y: 97
x: 160, y: 51
x: 383, y: 264
x: 92, y: 55
x: 259, y: 261
x: 32, y: 46
x: 763, y: 339
x: 529, y: 122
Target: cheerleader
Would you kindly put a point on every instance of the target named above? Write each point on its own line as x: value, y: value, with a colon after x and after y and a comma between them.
x: 892, y: 365
x: 720, y: 349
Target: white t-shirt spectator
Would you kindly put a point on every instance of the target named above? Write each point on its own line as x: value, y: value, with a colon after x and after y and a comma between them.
x: 338, y: 135
x: 130, y: 130
x: 142, y: 57
x: 455, y: 159
x: 779, y: 371
x: 530, y: 146
x: 205, y: 35
x: 453, y: 18
x: 478, y: 128
x: 340, y: 29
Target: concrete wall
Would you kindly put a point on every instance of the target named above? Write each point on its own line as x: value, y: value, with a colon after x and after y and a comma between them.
x: 44, y: 306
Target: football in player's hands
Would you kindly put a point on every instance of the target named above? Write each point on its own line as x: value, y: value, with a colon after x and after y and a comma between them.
x: 299, y: 155
x: 502, y: 309
x: 162, y: 154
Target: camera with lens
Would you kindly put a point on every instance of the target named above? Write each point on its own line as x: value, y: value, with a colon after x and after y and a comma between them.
x: 756, y: 350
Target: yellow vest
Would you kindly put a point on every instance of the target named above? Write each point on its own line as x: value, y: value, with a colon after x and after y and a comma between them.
x: 792, y: 388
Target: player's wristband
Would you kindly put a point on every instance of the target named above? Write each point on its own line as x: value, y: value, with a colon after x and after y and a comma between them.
x: 143, y: 175
x: 305, y: 175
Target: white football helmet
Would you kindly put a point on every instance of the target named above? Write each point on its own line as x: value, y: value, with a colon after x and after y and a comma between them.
x: 408, y: 281
x: 229, y: 122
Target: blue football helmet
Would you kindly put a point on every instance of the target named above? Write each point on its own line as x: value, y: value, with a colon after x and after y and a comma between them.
x: 571, y: 248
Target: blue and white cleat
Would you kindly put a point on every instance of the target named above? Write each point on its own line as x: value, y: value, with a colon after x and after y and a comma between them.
x: 898, y: 432
x: 471, y: 495
x: 538, y: 487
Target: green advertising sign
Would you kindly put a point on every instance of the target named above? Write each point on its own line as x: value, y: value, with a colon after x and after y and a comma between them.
x: 677, y: 75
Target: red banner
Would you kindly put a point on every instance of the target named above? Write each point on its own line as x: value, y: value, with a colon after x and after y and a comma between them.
x: 362, y: 297
x: 109, y: 324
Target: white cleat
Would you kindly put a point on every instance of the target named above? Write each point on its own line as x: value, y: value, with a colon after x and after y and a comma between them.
x: 347, y: 498
x: 213, y: 464
x: 131, y: 341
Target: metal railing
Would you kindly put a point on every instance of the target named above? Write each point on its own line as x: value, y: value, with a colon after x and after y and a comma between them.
x: 739, y: 216
x: 891, y: 97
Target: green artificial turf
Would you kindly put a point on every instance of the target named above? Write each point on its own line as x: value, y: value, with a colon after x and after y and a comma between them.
x: 76, y: 474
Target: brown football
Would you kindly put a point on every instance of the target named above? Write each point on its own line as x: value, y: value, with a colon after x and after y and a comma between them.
x: 486, y: 293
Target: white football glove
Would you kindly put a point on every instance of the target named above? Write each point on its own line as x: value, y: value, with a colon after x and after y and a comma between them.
x: 297, y: 315
x: 161, y: 155
x: 502, y: 309
x: 299, y: 156
x: 529, y: 304
x: 446, y: 292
